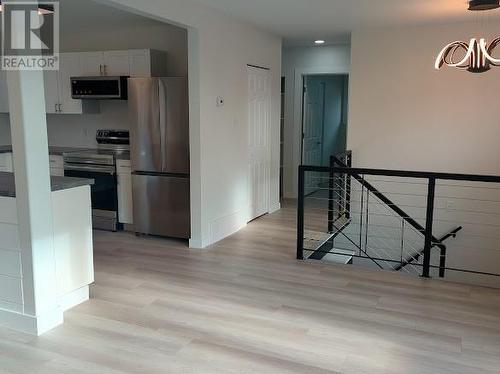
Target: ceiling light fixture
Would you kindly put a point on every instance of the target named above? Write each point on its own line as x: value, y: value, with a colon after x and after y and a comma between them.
x: 42, y: 8
x: 320, y: 42
x: 477, y: 55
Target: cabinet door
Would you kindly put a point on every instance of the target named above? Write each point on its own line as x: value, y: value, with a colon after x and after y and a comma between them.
x: 6, y: 163
x: 140, y: 63
x: 51, y: 86
x: 125, y: 203
x: 116, y: 63
x: 92, y: 63
x: 57, y: 172
x: 4, y: 99
x: 125, y: 207
x: 69, y: 66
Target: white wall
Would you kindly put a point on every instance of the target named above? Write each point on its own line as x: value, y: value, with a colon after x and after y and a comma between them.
x: 304, y: 60
x: 220, y: 48
x: 406, y: 115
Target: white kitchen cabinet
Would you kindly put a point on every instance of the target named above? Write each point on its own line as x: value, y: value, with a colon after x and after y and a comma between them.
x: 91, y: 64
x: 4, y: 99
x: 110, y: 63
x: 56, y: 165
x: 69, y: 66
x: 116, y: 63
x: 58, y: 86
x: 141, y: 63
x: 6, y: 162
x: 58, y: 98
x: 125, y: 201
x: 133, y: 63
x: 147, y: 63
x: 51, y: 85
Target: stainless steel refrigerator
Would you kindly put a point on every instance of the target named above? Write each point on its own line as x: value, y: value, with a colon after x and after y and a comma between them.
x: 159, y: 153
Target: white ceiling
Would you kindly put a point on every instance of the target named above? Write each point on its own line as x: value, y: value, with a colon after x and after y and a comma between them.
x: 301, y: 21
x: 78, y: 16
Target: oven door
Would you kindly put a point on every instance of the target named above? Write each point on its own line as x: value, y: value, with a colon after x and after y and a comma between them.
x: 104, y: 193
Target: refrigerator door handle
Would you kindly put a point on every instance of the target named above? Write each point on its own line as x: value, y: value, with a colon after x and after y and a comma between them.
x: 163, y: 123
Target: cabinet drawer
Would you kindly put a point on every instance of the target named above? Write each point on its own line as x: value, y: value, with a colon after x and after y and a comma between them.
x: 123, y: 167
x: 56, y: 161
x: 6, y: 164
x: 57, y: 172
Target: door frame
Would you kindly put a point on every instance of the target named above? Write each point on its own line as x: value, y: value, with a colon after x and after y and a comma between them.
x: 298, y: 112
x: 304, y: 95
x: 268, y: 150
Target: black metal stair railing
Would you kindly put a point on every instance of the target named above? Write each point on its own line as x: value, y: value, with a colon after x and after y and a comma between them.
x: 362, y: 220
x: 337, y: 161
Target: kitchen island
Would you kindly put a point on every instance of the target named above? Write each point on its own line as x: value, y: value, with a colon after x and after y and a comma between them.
x: 72, y: 238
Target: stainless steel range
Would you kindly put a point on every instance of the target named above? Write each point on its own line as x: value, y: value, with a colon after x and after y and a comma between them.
x: 100, y: 165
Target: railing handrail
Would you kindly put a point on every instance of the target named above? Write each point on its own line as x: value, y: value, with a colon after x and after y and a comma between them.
x: 453, y: 233
x: 403, y: 174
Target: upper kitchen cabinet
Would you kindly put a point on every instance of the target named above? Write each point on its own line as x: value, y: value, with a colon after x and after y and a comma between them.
x: 116, y: 63
x: 133, y: 63
x: 138, y: 63
x: 146, y: 63
x: 92, y: 64
x: 51, y: 85
x: 58, y: 99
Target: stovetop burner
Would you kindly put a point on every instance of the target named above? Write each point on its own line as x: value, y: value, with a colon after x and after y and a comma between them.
x: 110, y: 143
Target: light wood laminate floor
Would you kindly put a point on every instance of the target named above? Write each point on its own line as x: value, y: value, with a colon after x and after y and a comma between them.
x: 247, y: 306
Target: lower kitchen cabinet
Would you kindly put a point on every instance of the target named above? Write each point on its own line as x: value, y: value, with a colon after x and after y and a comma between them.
x: 56, y: 165
x: 6, y: 164
x: 125, y: 201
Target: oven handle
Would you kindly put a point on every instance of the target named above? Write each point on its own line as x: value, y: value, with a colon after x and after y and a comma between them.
x: 94, y: 169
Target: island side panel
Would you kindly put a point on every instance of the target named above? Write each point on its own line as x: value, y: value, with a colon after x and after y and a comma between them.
x: 73, y: 242
x: 11, y: 287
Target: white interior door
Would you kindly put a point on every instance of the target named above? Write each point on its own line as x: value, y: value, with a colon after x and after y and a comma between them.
x: 259, y: 155
x: 314, y: 110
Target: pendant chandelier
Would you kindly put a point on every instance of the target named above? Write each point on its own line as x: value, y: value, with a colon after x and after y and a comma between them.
x: 477, y: 55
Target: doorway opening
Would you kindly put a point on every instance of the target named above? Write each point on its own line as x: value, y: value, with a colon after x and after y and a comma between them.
x: 324, y: 121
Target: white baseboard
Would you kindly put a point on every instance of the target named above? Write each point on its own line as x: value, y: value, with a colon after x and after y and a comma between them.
x: 41, y: 324
x: 31, y: 324
x: 198, y: 243
x: 74, y: 298
x: 228, y: 225
x: 274, y: 208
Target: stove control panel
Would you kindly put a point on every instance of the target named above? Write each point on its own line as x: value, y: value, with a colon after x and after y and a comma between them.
x: 119, y: 137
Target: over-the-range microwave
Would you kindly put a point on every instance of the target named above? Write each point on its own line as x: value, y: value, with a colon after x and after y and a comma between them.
x: 99, y: 88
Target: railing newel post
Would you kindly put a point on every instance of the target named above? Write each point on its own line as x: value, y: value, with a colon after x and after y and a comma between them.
x: 429, y: 226
x: 300, y: 214
x: 331, y: 196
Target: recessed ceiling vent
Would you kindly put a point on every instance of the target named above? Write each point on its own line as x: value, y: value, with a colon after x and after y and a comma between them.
x: 477, y: 5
